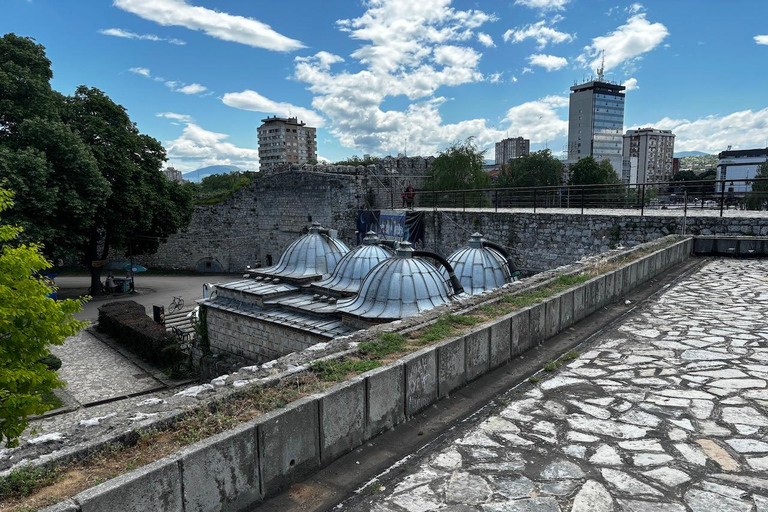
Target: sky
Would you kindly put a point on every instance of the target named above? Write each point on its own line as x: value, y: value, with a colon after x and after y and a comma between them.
x: 385, y: 77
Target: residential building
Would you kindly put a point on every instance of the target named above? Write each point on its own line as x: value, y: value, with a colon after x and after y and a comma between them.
x: 511, y: 148
x: 654, y: 152
x: 285, y: 140
x: 739, y: 165
x: 173, y: 175
x: 596, y: 122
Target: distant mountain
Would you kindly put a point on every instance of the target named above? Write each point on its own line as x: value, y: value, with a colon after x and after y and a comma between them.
x: 683, y: 154
x: 199, y: 174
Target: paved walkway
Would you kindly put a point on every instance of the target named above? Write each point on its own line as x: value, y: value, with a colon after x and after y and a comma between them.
x: 668, y: 412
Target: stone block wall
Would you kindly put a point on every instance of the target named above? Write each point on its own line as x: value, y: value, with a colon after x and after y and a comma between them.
x: 253, y: 340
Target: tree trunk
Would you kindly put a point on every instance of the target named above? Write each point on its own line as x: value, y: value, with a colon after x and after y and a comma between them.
x: 92, y: 255
x: 95, y: 280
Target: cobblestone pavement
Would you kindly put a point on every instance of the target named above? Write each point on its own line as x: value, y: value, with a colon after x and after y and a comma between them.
x: 667, y: 412
x: 95, y: 372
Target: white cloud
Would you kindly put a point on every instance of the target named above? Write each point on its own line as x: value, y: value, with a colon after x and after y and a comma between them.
x: 485, y: 40
x: 192, y: 89
x: 742, y: 130
x: 220, y: 25
x: 140, y: 71
x: 549, y: 62
x: 544, y: 5
x: 761, y: 39
x: 197, y: 147
x: 118, y: 32
x: 408, y: 49
x: 513, y: 79
x: 539, y: 31
x: 635, y: 8
x: 627, y: 43
x: 494, y: 78
x: 527, y: 70
x: 176, y: 117
x: 251, y: 100
x: 631, y: 84
x: 538, y: 120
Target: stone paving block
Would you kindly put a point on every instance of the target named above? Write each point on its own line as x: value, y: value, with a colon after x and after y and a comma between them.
x: 342, y: 419
x: 289, y: 445
x: 579, y: 304
x: 420, y: 380
x: 156, y: 486
x: 538, y: 316
x: 478, y: 352
x: 222, y: 473
x: 520, y: 332
x: 552, y: 314
x: 451, y: 366
x: 566, y: 310
x: 500, y: 341
x: 385, y: 399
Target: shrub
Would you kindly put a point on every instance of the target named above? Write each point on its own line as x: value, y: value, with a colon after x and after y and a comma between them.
x: 51, y: 361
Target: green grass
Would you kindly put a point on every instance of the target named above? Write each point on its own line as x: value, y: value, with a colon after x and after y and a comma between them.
x: 337, y: 370
x: 388, y: 343
x: 26, y: 480
x: 569, y: 356
x: 446, y: 327
x: 533, y: 380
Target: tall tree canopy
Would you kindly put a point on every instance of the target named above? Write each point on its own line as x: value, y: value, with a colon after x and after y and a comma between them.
x: 459, y: 166
x: 87, y: 181
x: 538, y: 169
x: 588, y: 171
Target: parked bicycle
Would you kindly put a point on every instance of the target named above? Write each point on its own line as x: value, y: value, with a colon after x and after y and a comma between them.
x: 177, y: 304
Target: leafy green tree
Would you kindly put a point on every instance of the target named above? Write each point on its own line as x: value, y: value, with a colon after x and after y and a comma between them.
x: 30, y: 323
x: 588, y: 171
x: 87, y: 181
x: 356, y: 160
x: 458, y: 167
x: 758, y: 197
x: 538, y: 169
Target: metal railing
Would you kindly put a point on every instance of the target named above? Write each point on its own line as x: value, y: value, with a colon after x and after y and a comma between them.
x: 679, y: 196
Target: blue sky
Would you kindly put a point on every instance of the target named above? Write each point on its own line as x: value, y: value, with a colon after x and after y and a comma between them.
x: 385, y: 76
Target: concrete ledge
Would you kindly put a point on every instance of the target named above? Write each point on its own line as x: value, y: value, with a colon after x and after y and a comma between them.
x: 156, y: 486
x: 566, y: 310
x: 477, y: 346
x: 609, y: 288
x: 222, y: 473
x: 500, y: 342
x: 520, y: 332
x: 552, y: 316
x: 384, y: 399
x: 342, y: 419
x: 420, y: 380
x: 590, y: 297
x: 289, y: 446
x: 579, y: 306
x: 451, y: 366
x: 64, y: 506
x: 538, y: 316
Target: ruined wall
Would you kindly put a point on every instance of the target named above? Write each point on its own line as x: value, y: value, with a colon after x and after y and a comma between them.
x: 543, y: 241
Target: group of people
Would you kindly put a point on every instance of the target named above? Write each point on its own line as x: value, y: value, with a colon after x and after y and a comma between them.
x: 110, y: 284
x: 407, y: 196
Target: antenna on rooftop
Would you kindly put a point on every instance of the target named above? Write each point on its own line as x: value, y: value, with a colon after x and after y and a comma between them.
x: 601, y: 71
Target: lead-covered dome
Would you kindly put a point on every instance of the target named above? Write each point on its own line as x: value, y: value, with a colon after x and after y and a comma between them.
x: 310, y: 256
x: 478, y: 267
x: 398, y: 287
x: 348, y: 275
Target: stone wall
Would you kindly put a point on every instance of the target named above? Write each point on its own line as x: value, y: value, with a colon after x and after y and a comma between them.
x: 543, y: 241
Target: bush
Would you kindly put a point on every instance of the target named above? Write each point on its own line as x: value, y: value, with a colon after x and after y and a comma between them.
x: 51, y: 361
x: 128, y: 323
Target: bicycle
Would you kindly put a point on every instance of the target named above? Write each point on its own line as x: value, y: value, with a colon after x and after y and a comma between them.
x: 177, y: 304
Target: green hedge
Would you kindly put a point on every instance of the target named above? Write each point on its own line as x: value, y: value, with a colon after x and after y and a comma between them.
x: 127, y: 322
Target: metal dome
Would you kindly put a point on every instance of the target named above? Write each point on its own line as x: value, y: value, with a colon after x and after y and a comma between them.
x: 397, y: 288
x: 311, y: 255
x: 479, y: 268
x: 355, y: 265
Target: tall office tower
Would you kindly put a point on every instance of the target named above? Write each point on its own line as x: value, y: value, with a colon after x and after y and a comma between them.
x: 596, y: 122
x: 285, y: 140
x: 511, y: 148
x: 654, y: 151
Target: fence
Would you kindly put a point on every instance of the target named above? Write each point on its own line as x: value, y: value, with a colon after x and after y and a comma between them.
x: 677, y: 196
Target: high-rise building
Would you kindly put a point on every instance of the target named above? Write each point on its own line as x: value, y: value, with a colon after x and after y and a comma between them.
x: 654, y: 151
x: 596, y: 122
x: 285, y: 140
x: 742, y: 164
x: 511, y: 148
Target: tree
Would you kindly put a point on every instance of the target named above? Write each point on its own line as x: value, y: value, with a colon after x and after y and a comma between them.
x: 757, y: 197
x: 588, y: 171
x: 538, y: 169
x: 88, y: 182
x: 459, y: 167
x: 30, y: 323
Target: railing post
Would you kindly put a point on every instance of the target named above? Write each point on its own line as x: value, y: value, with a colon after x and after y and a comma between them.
x: 496, y: 199
x: 534, y: 200
x: 642, y: 202
x: 464, y: 199
x: 722, y: 196
x: 582, y: 199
